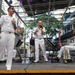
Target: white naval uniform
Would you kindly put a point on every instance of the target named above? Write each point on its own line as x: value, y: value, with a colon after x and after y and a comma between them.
x: 7, y: 38
x: 14, y: 53
x: 28, y: 54
x: 68, y: 48
x: 39, y: 41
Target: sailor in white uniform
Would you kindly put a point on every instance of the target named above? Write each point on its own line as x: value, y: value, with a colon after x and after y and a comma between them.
x: 7, y: 24
x: 39, y: 40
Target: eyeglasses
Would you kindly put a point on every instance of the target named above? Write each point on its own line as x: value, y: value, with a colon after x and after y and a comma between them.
x: 12, y: 9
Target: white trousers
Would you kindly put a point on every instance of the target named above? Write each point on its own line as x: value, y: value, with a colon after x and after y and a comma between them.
x: 14, y: 53
x: 4, y: 56
x: 28, y: 53
x: 42, y: 45
x: 7, y: 42
x: 68, y: 48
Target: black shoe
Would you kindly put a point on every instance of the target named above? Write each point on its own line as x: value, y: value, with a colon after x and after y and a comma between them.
x: 55, y: 59
x: 69, y: 60
x: 3, y: 61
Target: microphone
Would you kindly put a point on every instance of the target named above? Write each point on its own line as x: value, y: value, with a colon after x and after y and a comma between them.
x: 41, y: 27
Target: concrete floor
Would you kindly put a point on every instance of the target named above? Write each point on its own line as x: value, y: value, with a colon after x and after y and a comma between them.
x: 40, y: 66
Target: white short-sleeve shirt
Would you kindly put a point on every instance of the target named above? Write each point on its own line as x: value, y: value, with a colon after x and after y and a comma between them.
x: 6, y: 24
x: 38, y: 34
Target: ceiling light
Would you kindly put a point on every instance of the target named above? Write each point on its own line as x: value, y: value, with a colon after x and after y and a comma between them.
x: 20, y: 1
x: 10, y: 1
x: 31, y: 0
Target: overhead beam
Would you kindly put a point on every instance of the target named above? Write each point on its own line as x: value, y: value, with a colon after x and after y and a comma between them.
x: 16, y: 13
x: 29, y: 6
x: 46, y: 4
x: 40, y: 11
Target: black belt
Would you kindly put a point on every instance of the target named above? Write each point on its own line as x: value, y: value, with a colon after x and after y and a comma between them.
x: 40, y: 38
x: 8, y: 32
